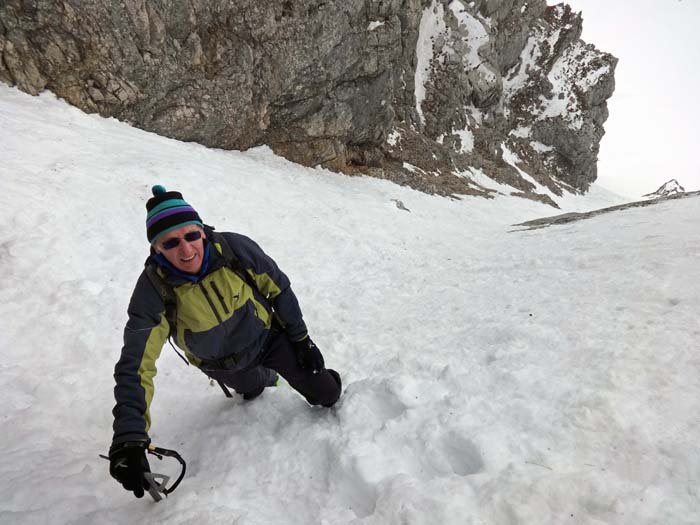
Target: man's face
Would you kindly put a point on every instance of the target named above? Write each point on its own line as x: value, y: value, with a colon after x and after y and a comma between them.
x: 187, y: 255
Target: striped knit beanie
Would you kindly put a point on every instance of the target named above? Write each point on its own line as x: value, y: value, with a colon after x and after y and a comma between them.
x: 167, y: 210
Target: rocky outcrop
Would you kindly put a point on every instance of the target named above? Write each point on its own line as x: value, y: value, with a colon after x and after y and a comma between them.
x: 445, y: 96
x: 667, y: 189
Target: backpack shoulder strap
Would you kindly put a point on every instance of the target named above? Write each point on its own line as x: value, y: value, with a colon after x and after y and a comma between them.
x: 166, y: 292
x: 164, y: 289
x: 168, y: 295
x: 233, y: 262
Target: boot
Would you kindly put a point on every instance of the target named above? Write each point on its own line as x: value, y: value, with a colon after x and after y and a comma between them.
x: 271, y: 381
x: 335, y: 375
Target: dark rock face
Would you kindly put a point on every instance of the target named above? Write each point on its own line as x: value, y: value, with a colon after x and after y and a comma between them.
x: 226, y: 74
x: 422, y: 92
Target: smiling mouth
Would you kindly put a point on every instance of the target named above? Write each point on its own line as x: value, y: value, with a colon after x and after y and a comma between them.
x: 189, y: 259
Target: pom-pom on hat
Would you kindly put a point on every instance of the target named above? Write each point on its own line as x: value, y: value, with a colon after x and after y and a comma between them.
x: 167, y: 211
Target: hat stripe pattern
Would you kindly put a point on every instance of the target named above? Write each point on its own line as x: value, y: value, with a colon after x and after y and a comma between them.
x: 165, y: 205
x: 167, y: 211
x: 175, y: 227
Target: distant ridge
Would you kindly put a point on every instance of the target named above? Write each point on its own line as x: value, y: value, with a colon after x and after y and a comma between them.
x: 571, y: 217
x: 671, y: 187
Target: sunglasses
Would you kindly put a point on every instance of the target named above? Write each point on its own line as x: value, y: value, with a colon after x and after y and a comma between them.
x: 174, y: 241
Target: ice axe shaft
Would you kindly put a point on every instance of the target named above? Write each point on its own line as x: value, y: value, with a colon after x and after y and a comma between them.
x: 155, y: 487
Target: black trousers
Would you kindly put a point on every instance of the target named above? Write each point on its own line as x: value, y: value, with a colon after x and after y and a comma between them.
x: 278, y: 355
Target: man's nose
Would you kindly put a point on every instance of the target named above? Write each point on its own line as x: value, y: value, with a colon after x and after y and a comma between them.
x: 186, y: 247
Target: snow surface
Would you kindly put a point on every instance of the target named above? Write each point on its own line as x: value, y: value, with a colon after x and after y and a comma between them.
x: 547, y: 376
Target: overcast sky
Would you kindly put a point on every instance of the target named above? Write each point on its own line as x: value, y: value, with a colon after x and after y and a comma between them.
x: 652, y: 132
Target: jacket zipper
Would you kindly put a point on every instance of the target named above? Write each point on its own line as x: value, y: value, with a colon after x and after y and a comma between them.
x: 211, y: 304
x: 221, y: 297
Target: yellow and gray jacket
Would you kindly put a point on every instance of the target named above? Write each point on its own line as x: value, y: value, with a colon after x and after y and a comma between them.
x: 220, y: 316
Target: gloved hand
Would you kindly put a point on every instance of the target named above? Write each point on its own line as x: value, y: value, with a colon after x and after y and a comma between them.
x: 127, y: 464
x: 308, y: 355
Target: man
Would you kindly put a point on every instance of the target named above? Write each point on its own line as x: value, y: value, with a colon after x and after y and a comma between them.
x: 227, y: 306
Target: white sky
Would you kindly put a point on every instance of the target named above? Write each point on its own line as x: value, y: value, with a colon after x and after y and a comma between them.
x: 652, y: 132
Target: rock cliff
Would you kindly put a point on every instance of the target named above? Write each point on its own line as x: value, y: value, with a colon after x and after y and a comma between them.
x: 445, y: 96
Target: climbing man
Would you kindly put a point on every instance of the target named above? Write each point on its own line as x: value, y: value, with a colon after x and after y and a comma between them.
x: 227, y: 305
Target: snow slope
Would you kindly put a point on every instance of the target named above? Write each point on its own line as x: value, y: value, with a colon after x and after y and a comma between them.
x: 548, y: 376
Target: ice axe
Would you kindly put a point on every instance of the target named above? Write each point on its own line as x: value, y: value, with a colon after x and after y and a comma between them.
x: 157, y: 483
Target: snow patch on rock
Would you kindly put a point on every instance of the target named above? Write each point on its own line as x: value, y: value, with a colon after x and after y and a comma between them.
x: 393, y: 137
x: 478, y: 35
x: 431, y: 25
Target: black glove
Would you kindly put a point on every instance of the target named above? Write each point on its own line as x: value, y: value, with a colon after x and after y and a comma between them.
x: 308, y: 355
x: 127, y: 464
